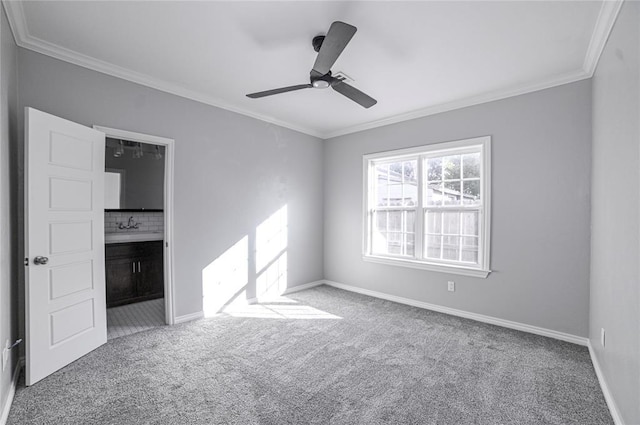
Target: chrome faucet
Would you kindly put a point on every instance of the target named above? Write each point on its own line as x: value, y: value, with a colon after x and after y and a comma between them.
x: 131, y: 224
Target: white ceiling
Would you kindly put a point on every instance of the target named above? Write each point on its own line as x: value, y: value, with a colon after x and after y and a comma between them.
x: 415, y: 58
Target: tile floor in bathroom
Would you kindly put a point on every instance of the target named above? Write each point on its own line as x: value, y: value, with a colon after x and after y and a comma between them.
x: 132, y: 318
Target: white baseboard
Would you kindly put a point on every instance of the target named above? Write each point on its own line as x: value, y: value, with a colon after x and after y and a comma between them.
x: 189, y: 317
x: 304, y: 286
x: 4, y: 414
x: 467, y: 315
x: 608, y: 397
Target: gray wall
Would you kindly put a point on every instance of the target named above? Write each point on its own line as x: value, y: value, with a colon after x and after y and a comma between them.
x: 144, y: 179
x: 615, y: 253
x: 541, y: 157
x: 9, y: 259
x: 231, y: 171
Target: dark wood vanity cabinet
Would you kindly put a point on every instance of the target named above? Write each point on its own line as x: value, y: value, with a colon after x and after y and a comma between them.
x: 134, y: 272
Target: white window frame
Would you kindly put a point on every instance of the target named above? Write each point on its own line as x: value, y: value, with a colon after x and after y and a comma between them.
x: 422, y: 152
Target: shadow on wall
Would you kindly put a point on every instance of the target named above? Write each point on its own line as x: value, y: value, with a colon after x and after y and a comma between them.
x: 257, y: 262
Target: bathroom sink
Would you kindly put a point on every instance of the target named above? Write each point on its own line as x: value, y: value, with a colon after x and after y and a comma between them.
x: 133, y: 237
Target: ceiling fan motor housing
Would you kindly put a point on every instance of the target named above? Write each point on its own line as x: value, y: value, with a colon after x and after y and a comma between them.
x: 321, y: 81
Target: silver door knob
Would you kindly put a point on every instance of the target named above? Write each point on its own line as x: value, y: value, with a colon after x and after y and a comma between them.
x: 40, y: 260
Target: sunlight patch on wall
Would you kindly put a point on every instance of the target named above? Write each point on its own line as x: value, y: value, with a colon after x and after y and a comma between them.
x: 271, y: 255
x: 223, y: 278
x: 273, y: 280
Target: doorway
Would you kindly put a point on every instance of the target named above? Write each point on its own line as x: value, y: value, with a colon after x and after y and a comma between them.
x: 65, y: 302
x: 138, y: 231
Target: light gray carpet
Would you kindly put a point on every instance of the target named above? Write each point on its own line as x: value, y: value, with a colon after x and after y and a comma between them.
x: 322, y: 356
x: 133, y: 318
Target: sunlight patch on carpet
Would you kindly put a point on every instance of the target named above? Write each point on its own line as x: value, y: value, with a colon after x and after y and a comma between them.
x: 276, y: 308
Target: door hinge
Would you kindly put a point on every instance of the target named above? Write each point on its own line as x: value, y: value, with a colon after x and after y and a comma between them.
x: 166, y: 244
x: 26, y: 261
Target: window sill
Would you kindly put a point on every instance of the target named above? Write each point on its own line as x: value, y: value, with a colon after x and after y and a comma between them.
x: 444, y: 268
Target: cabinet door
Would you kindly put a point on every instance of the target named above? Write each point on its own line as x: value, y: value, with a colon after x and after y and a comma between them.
x: 121, y: 284
x: 151, y: 279
x: 157, y: 272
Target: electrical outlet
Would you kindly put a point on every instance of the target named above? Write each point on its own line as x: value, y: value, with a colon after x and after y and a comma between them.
x: 5, y: 355
x: 602, y: 337
x: 451, y: 286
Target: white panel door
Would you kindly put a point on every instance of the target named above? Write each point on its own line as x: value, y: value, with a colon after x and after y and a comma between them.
x: 66, y: 315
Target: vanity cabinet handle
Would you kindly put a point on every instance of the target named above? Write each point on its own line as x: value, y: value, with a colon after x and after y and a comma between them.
x: 133, y: 266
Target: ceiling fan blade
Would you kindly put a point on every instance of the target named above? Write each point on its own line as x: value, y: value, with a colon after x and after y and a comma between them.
x: 353, y: 93
x: 334, y: 43
x: 278, y: 91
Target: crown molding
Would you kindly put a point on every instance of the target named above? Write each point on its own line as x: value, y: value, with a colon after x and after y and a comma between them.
x: 465, y: 102
x: 604, y: 24
x: 17, y: 22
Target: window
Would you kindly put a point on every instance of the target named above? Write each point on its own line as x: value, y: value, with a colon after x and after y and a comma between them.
x: 428, y: 207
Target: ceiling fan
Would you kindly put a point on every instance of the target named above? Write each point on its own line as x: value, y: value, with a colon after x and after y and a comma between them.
x: 329, y: 47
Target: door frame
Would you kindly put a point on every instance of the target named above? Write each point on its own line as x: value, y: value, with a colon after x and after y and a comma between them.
x: 169, y: 294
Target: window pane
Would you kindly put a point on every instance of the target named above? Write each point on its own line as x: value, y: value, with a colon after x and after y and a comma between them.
x: 471, y: 190
x: 396, y: 184
x: 409, y: 169
x: 395, y: 194
x: 452, y: 193
x: 381, y: 194
x: 471, y: 165
x: 379, y: 242
x: 409, y: 183
x: 411, y: 244
x: 393, y: 232
x: 434, y: 169
x: 379, y: 232
x: 470, y: 250
x: 394, y: 243
x: 395, y: 169
x: 451, y: 247
x: 433, y: 222
x: 434, y: 193
x: 380, y: 221
x: 451, y: 223
x: 411, y: 221
x: 395, y: 221
x: 470, y: 223
x: 432, y: 246
x: 451, y: 167
x: 381, y: 182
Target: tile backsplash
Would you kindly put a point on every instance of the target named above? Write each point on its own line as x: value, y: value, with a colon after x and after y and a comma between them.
x: 148, y: 221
